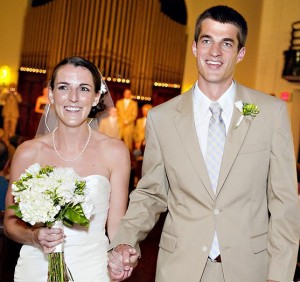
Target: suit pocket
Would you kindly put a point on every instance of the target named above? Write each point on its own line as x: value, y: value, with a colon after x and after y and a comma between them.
x: 251, y: 148
x: 259, y: 243
x: 167, y: 242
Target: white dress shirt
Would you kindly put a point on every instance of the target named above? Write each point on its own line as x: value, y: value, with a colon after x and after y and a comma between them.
x: 202, y: 114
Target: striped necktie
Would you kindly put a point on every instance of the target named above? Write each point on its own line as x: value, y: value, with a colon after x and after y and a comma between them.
x: 214, y: 152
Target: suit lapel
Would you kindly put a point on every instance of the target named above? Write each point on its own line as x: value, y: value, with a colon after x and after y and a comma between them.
x: 235, y: 136
x: 185, y: 125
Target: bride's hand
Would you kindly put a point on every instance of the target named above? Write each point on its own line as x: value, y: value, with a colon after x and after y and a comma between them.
x: 48, y: 238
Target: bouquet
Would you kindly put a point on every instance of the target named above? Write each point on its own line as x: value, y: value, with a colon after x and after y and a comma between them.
x: 53, y: 196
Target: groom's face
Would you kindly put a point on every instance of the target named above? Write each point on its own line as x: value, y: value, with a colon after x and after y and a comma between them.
x: 217, y: 52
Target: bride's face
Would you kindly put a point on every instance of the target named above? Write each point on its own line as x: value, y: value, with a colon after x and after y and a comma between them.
x: 73, y: 94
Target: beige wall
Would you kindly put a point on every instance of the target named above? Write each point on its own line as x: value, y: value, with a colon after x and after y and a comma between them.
x: 274, y: 39
x: 12, y: 14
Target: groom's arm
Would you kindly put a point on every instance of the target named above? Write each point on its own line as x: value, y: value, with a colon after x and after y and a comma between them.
x: 147, y: 202
x: 149, y: 199
x: 283, y: 234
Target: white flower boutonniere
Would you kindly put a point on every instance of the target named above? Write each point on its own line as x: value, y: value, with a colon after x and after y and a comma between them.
x: 246, y: 109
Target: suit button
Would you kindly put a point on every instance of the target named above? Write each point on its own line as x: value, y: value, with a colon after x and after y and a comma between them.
x: 216, y: 212
x: 204, y: 248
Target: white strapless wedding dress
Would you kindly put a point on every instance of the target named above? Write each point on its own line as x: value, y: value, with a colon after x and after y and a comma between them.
x: 85, y: 248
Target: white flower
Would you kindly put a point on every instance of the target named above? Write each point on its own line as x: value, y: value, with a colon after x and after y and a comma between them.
x: 239, y: 105
x: 44, y: 195
x: 103, y: 88
x: 88, y: 209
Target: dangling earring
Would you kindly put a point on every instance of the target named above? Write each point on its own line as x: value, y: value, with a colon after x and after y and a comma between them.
x: 46, y: 116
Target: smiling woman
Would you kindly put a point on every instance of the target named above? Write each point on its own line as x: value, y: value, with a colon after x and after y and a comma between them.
x: 75, y: 88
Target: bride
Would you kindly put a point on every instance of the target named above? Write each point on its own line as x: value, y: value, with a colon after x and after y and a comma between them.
x: 104, y: 162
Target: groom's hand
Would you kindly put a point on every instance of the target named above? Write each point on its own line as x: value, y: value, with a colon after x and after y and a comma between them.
x: 122, y: 260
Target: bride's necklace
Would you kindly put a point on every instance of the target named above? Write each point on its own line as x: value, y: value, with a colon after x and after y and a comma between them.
x: 84, y: 148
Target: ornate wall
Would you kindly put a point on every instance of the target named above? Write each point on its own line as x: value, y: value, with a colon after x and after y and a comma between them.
x: 131, y: 40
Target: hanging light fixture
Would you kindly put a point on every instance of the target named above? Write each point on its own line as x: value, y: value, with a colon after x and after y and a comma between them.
x: 291, y: 71
x: 5, y: 75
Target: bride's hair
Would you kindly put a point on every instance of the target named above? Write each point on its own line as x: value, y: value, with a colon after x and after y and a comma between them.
x: 78, y: 62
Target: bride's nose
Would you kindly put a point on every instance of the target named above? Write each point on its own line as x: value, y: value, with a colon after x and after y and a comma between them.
x: 73, y: 95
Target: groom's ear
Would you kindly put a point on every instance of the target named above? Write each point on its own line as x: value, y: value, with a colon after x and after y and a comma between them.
x: 194, y: 48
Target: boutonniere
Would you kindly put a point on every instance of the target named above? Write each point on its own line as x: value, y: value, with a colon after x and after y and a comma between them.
x: 246, y: 109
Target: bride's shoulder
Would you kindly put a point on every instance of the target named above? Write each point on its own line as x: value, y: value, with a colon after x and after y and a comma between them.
x: 32, y: 147
x: 109, y: 144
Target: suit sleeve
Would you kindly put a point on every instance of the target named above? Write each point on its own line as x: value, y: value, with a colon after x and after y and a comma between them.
x: 283, y: 235
x: 149, y: 199
x: 132, y: 115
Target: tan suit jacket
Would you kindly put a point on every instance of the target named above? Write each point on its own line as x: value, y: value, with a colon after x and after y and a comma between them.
x: 11, y: 106
x: 110, y: 127
x: 254, y: 211
x: 127, y: 117
x: 139, y: 130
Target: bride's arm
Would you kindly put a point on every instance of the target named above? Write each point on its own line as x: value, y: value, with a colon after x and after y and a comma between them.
x: 119, y: 160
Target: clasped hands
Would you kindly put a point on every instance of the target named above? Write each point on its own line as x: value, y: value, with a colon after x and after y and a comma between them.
x: 122, y: 260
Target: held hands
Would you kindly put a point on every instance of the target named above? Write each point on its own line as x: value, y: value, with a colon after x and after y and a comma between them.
x: 49, y: 238
x: 122, y: 261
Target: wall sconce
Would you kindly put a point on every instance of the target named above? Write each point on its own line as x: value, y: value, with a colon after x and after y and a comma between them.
x: 291, y: 71
x: 5, y: 75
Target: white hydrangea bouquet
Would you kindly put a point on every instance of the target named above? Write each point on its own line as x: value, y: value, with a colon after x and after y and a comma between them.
x: 53, y: 196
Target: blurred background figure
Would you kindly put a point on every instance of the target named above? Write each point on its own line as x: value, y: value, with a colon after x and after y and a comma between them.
x: 110, y: 125
x: 139, y: 143
x: 139, y: 132
x: 42, y: 101
x: 10, y: 110
x: 3, y: 180
x: 11, y: 150
x: 127, y: 111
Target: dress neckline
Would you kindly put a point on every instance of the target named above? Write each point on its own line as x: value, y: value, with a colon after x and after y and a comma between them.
x: 91, y: 175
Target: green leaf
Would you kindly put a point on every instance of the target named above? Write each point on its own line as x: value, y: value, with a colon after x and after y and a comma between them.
x: 16, y: 208
x: 75, y: 215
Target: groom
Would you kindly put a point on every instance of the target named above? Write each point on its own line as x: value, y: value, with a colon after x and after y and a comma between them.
x: 227, y: 181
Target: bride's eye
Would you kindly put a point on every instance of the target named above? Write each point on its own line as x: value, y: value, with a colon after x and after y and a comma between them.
x: 84, y: 89
x: 62, y: 87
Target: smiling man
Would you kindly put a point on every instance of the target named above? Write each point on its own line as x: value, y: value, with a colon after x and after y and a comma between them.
x: 220, y: 160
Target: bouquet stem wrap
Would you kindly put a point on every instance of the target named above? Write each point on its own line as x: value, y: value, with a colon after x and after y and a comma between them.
x: 57, y: 268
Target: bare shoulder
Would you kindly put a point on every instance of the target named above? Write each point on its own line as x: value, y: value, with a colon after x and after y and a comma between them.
x: 30, y: 151
x: 109, y: 147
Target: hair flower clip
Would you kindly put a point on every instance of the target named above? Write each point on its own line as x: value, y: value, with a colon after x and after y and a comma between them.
x: 246, y: 109
x: 103, y: 88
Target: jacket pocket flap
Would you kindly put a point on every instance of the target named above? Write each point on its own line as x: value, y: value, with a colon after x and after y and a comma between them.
x: 259, y: 243
x: 167, y: 242
x: 251, y: 148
